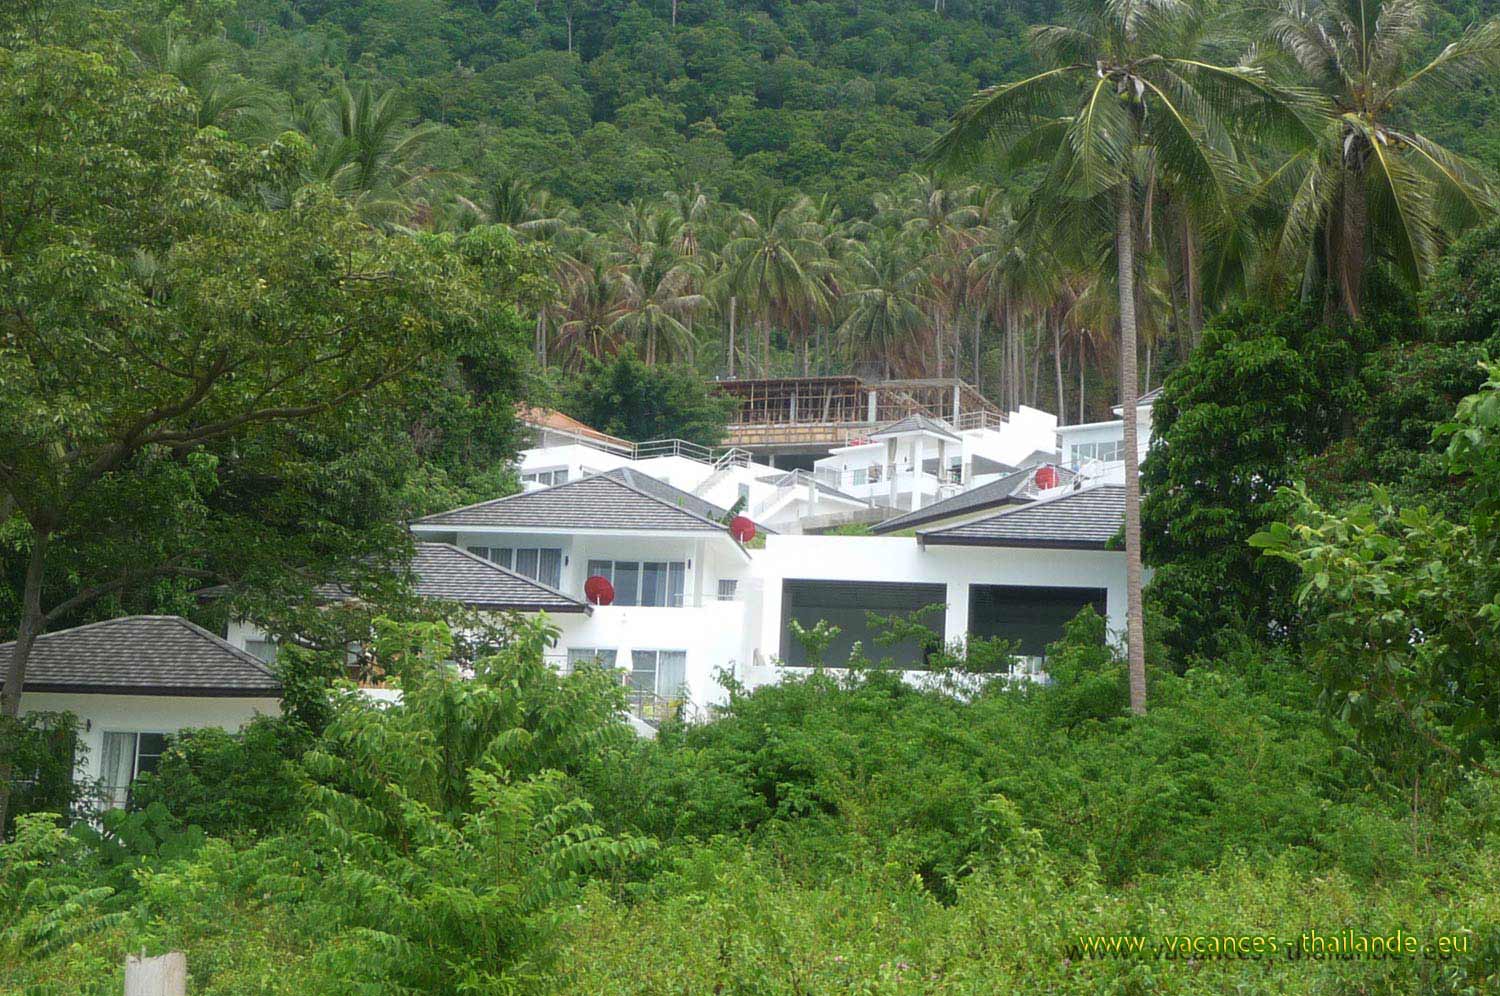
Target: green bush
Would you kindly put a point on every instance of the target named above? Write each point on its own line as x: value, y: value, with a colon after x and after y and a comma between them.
x: 229, y: 783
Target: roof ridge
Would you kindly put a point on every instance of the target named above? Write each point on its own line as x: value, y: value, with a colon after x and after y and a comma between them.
x: 223, y: 644
x: 1034, y: 503
x: 505, y: 571
x: 645, y: 494
x: 218, y: 641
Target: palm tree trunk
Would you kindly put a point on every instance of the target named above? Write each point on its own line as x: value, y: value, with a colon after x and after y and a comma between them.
x: 541, y: 338
x: 1194, y: 283
x: 732, y: 302
x: 1062, y: 402
x: 1081, y: 416
x: 1351, y: 256
x: 978, y: 330
x: 1134, y: 627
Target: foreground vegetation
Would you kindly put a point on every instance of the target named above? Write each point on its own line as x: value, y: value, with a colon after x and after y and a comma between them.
x: 502, y: 833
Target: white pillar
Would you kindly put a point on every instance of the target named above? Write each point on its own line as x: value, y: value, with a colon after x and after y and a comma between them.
x: 957, y: 407
x: 942, y: 467
x: 872, y: 408
x: 919, y: 452
x: 890, y: 467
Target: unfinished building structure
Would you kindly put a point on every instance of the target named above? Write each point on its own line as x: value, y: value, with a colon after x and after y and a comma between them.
x: 793, y: 421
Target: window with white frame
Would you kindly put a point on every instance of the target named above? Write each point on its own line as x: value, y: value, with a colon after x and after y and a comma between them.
x: 1107, y: 451
x: 546, y: 478
x: 126, y: 757
x: 861, y: 476
x: 729, y: 589
x: 661, y: 672
x: 542, y: 564
x: 644, y: 582
x: 262, y: 650
x: 590, y: 657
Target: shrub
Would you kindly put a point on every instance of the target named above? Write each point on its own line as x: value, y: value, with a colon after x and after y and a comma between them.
x: 229, y: 783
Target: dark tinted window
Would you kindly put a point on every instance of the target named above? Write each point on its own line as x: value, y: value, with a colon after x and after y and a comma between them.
x: 845, y: 604
x: 1033, y: 616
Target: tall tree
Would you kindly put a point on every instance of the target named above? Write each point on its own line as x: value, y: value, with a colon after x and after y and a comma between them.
x: 1124, y: 99
x: 170, y: 354
x: 1372, y: 183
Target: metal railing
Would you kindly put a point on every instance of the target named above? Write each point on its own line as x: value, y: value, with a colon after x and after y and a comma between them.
x: 645, y: 705
x: 731, y: 456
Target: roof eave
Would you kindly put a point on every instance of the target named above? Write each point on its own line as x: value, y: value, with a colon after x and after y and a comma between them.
x: 206, y: 692
x: 937, y: 539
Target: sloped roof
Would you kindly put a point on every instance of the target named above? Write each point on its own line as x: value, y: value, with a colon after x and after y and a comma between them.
x: 1076, y: 520
x: 658, y: 488
x: 595, y: 502
x: 915, y: 423
x: 143, y: 655
x: 1004, y: 491
x: 548, y: 418
x: 444, y: 571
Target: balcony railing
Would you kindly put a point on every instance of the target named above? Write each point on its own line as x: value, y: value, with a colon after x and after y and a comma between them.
x: 647, y: 706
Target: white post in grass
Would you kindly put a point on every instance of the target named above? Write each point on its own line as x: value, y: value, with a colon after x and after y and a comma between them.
x: 164, y: 975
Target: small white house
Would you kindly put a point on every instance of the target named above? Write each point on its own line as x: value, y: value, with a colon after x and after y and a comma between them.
x: 133, y: 681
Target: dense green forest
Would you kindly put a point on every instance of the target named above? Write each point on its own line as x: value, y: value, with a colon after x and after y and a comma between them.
x: 273, y: 277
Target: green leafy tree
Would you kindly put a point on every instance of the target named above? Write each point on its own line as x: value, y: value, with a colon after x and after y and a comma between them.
x: 179, y: 365
x: 625, y: 397
x: 1404, y: 609
x: 448, y: 822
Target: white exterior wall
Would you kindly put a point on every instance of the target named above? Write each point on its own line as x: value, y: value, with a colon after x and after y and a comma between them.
x: 577, y: 459
x: 100, y: 714
x: 900, y: 559
x: 1112, y: 472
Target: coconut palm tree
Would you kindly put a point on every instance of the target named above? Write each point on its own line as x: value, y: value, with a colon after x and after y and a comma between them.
x: 656, y: 286
x: 775, y: 263
x: 594, y: 300
x: 884, y: 303
x: 1124, y: 99
x: 202, y: 66
x: 1373, y: 184
x: 368, y: 152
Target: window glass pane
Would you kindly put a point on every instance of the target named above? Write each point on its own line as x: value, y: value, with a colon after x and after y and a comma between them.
x: 676, y: 581
x: 549, y: 566
x: 627, y: 582
x: 671, y: 673
x: 148, y: 751
x: 591, y: 656
x: 501, y: 555
x: 118, y: 766
x: 728, y: 587
x: 526, y: 562
x: 560, y: 476
x: 653, y: 583
x: 600, y: 568
x: 643, y: 670
x: 262, y: 650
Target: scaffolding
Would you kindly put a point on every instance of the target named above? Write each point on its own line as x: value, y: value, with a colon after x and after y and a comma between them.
x: 819, y: 411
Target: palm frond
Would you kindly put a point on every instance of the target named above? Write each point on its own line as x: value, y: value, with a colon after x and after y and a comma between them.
x: 998, y: 113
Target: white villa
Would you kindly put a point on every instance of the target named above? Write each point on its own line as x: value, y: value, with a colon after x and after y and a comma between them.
x: 629, y: 552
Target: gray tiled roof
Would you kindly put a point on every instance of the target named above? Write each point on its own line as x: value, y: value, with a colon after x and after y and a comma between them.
x: 915, y: 423
x: 143, y: 655
x: 443, y: 571
x: 595, y: 502
x: 995, y: 494
x: 658, y: 488
x: 1086, y: 519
